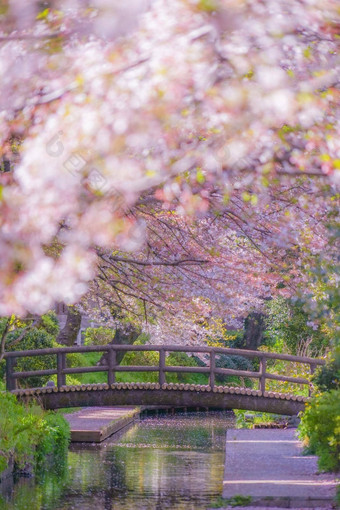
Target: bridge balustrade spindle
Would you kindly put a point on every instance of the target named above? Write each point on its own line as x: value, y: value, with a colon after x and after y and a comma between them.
x: 61, y: 365
x: 11, y: 382
x: 112, y: 362
x: 312, y: 370
x: 212, y: 369
x: 161, y: 366
x: 262, y: 379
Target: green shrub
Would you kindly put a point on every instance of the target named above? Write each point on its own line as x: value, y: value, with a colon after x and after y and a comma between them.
x: 34, y: 339
x: 286, y: 368
x: 98, y: 336
x: 49, y: 322
x: 76, y: 359
x: 146, y: 358
x: 287, y: 323
x: 251, y: 419
x: 234, y: 363
x: 72, y: 380
x: 320, y: 429
x: 327, y: 377
x: 18, y: 431
x: 55, y: 440
x: 86, y: 359
x: 28, y: 434
x: 41, y: 336
x: 181, y: 359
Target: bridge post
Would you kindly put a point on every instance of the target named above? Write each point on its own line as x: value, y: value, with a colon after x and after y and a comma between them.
x: 11, y: 382
x: 61, y: 365
x: 212, y: 369
x: 161, y: 366
x: 112, y: 362
x: 262, y: 380
x: 312, y: 370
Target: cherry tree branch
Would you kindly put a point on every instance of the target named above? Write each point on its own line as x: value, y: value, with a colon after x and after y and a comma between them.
x: 182, y: 262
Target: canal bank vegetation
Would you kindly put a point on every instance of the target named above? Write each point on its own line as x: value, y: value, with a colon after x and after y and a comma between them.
x: 254, y: 420
x: 290, y: 329
x: 320, y: 429
x: 236, y: 501
x: 30, y: 437
x: 320, y: 423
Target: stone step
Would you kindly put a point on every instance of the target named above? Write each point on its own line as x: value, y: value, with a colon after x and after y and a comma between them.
x: 95, y: 424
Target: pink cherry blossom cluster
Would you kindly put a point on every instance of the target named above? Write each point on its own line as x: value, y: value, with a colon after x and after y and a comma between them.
x: 102, y: 101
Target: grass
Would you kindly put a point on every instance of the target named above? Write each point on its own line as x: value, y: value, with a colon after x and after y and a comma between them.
x: 250, y: 419
x: 68, y: 410
x: 237, y: 500
x: 101, y: 377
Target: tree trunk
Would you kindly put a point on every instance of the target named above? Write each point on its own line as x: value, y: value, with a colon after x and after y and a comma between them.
x: 122, y: 337
x: 68, y: 335
x: 254, y: 327
x: 3, y: 339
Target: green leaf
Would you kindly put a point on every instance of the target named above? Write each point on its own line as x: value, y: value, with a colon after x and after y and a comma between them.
x: 43, y: 14
x: 207, y: 5
x: 200, y: 176
x: 307, y: 52
x: 246, y: 196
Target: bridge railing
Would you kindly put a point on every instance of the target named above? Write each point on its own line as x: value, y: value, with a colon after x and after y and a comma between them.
x: 112, y: 367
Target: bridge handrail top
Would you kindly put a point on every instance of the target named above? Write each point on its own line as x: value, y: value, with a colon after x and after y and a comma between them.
x: 160, y: 347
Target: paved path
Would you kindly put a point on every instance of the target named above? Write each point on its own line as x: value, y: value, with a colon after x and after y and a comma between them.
x: 265, y: 507
x: 94, y: 424
x: 268, y: 465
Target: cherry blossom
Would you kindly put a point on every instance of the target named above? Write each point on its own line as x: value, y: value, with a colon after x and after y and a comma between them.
x: 101, y: 103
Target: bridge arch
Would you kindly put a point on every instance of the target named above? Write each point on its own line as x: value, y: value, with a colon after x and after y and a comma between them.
x: 175, y: 395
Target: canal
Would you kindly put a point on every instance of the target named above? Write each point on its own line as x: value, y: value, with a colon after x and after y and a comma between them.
x: 173, y: 462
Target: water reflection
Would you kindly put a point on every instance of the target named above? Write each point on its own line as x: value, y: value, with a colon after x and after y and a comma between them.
x: 174, y: 462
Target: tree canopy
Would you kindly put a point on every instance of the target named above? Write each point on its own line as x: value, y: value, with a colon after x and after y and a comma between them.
x: 173, y: 158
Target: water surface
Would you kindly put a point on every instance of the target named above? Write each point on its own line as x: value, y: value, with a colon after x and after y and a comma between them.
x: 172, y: 462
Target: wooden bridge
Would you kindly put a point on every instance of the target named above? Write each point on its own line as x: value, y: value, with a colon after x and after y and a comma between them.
x: 161, y: 393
